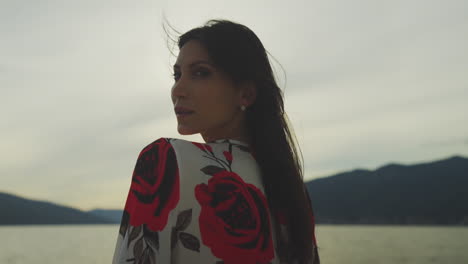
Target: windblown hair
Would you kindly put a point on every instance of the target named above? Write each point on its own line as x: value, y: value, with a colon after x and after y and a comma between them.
x: 236, y: 50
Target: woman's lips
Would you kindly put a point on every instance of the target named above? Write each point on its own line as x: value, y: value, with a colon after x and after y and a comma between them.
x: 184, y: 114
x: 182, y: 111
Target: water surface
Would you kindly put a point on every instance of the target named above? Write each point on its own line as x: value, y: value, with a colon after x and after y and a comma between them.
x: 338, y: 244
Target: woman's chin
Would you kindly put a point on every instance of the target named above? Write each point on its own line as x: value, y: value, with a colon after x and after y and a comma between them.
x: 185, y: 130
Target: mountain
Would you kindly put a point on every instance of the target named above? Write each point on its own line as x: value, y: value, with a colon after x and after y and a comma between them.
x: 434, y: 193
x: 110, y: 214
x: 20, y: 211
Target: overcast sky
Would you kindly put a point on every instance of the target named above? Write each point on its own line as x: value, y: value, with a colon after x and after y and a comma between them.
x: 85, y: 85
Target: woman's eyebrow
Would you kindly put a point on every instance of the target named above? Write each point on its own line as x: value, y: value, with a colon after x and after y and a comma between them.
x: 177, y: 66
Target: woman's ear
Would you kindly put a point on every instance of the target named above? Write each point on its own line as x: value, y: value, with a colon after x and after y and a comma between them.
x: 248, y: 93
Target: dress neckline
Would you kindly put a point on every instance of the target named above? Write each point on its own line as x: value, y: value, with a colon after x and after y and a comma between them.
x: 228, y: 140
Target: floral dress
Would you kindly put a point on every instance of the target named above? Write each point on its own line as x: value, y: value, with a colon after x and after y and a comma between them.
x: 197, y: 203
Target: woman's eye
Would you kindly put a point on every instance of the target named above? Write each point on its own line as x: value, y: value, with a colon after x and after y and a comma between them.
x: 176, y: 75
x: 202, y: 73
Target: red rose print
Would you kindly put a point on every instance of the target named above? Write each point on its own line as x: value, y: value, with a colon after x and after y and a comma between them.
x: 228, y: 156
x: 203, y: 147
x: 234, y: 220
x: 208, y: 147
x: 154, y: 190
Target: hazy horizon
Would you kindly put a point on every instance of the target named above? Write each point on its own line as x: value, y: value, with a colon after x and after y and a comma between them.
x: 321, y: 177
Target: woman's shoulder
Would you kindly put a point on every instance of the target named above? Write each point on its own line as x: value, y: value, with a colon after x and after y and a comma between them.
x: 167, y: 142
x: 195, y: 152
x: 170, y: 142
x: 176, y: 146
x: 178, y: 142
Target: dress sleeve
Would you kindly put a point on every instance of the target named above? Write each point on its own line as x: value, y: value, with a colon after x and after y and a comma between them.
x: 145, y: 229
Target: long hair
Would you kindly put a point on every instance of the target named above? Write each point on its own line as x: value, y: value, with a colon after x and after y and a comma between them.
x: 237, y: 51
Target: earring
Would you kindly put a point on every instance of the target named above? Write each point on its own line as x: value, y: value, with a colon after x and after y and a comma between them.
x: 243, y: 107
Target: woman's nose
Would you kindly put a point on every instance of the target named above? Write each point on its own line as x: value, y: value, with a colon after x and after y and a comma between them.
x: 179, y: 89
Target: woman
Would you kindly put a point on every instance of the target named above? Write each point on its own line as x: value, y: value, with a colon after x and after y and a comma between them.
x: 239, y: 197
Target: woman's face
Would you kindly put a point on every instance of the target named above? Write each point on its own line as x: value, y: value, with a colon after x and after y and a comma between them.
x: 207, y: 91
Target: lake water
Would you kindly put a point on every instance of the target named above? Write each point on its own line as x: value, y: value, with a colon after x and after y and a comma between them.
x: 338, y: 244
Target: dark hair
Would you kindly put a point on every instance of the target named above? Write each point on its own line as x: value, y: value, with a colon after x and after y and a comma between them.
x: 237, y: 51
